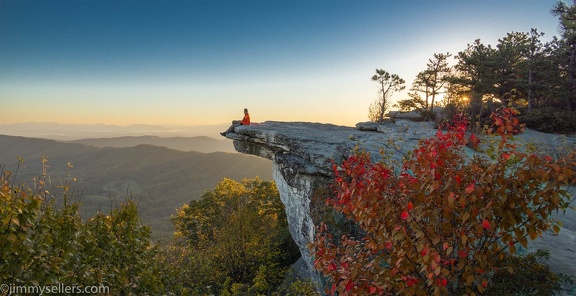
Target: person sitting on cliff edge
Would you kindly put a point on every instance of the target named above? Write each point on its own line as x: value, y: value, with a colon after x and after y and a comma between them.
x: 235, y: 123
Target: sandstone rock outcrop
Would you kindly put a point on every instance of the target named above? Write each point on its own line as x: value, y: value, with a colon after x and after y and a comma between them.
x: 302, y: 168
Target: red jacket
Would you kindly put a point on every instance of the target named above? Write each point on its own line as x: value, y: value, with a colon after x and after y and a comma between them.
x: 246, y: 119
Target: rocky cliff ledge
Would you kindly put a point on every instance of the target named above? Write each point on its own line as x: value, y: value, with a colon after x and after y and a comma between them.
x: 302, y: 153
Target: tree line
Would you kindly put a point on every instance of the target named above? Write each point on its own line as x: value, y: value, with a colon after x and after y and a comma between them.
x: 521, y: 71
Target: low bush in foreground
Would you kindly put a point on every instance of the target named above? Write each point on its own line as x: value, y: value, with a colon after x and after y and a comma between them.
x: 446, y: 223
x: 44, y: 242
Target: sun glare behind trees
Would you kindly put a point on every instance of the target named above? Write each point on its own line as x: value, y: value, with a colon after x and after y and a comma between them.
x: 537, y: 78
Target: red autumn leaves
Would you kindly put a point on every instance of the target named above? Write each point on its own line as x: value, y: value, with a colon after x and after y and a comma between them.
x: 404, y: 215
x: 470, y: 188
x: 430, y: 228
x: 485, y: 224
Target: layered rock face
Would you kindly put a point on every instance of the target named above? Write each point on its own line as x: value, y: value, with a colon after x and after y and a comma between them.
x: 302, y: 154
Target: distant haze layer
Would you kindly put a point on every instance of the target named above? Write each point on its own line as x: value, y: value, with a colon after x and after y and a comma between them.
x: 69, y: 132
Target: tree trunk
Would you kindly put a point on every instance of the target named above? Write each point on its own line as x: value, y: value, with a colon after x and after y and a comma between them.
x: 383, y: 107
x: 571, y: 85
x: 530, y: 88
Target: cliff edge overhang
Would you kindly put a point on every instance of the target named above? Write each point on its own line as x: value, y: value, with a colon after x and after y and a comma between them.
x: 303, y: 154
x: 318, y: 143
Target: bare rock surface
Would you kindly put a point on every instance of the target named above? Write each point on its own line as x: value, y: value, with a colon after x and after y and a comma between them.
x: 562, y: 245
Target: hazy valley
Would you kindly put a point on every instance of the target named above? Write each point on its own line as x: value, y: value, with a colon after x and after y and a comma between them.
x: 69, y: 132
x: 161, y: 174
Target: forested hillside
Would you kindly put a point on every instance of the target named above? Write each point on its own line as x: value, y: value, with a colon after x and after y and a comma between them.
x: 157, y: 178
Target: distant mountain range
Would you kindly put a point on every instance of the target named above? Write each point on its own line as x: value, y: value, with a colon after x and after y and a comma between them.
x: 160, y: 179
x: 198, y: 144
x: 60, y: 131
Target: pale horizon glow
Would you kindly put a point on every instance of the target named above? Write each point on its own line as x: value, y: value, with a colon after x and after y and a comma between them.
x: 203, y: 62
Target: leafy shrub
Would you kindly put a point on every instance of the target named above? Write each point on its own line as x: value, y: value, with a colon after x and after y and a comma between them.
x: 448, y: 112
x: 35, y: 235
x: 43, y: 241
x: 484, y: 116
x: 425, y: 115
x: 445, y: 222
x: 505, y: 121
x: 530, y: 276
x: 299, y: 288
x: 550, y: 120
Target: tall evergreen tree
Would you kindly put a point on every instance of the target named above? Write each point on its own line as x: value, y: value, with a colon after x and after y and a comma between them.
x: 534, y: 68
x: 567, y: 17
x: 474, y: 71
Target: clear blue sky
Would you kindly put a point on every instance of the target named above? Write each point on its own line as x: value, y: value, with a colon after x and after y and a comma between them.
x: 202, y: 62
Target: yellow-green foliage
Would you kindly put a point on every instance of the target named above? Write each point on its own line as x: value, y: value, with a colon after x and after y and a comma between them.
x: 235, y: 238
x: 235, y: 241
x: 45, y: 244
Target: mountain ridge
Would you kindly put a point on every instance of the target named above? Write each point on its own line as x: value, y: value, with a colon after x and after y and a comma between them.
x: 68, y: 132
x: 161, y: 179
x: 203, y: 144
